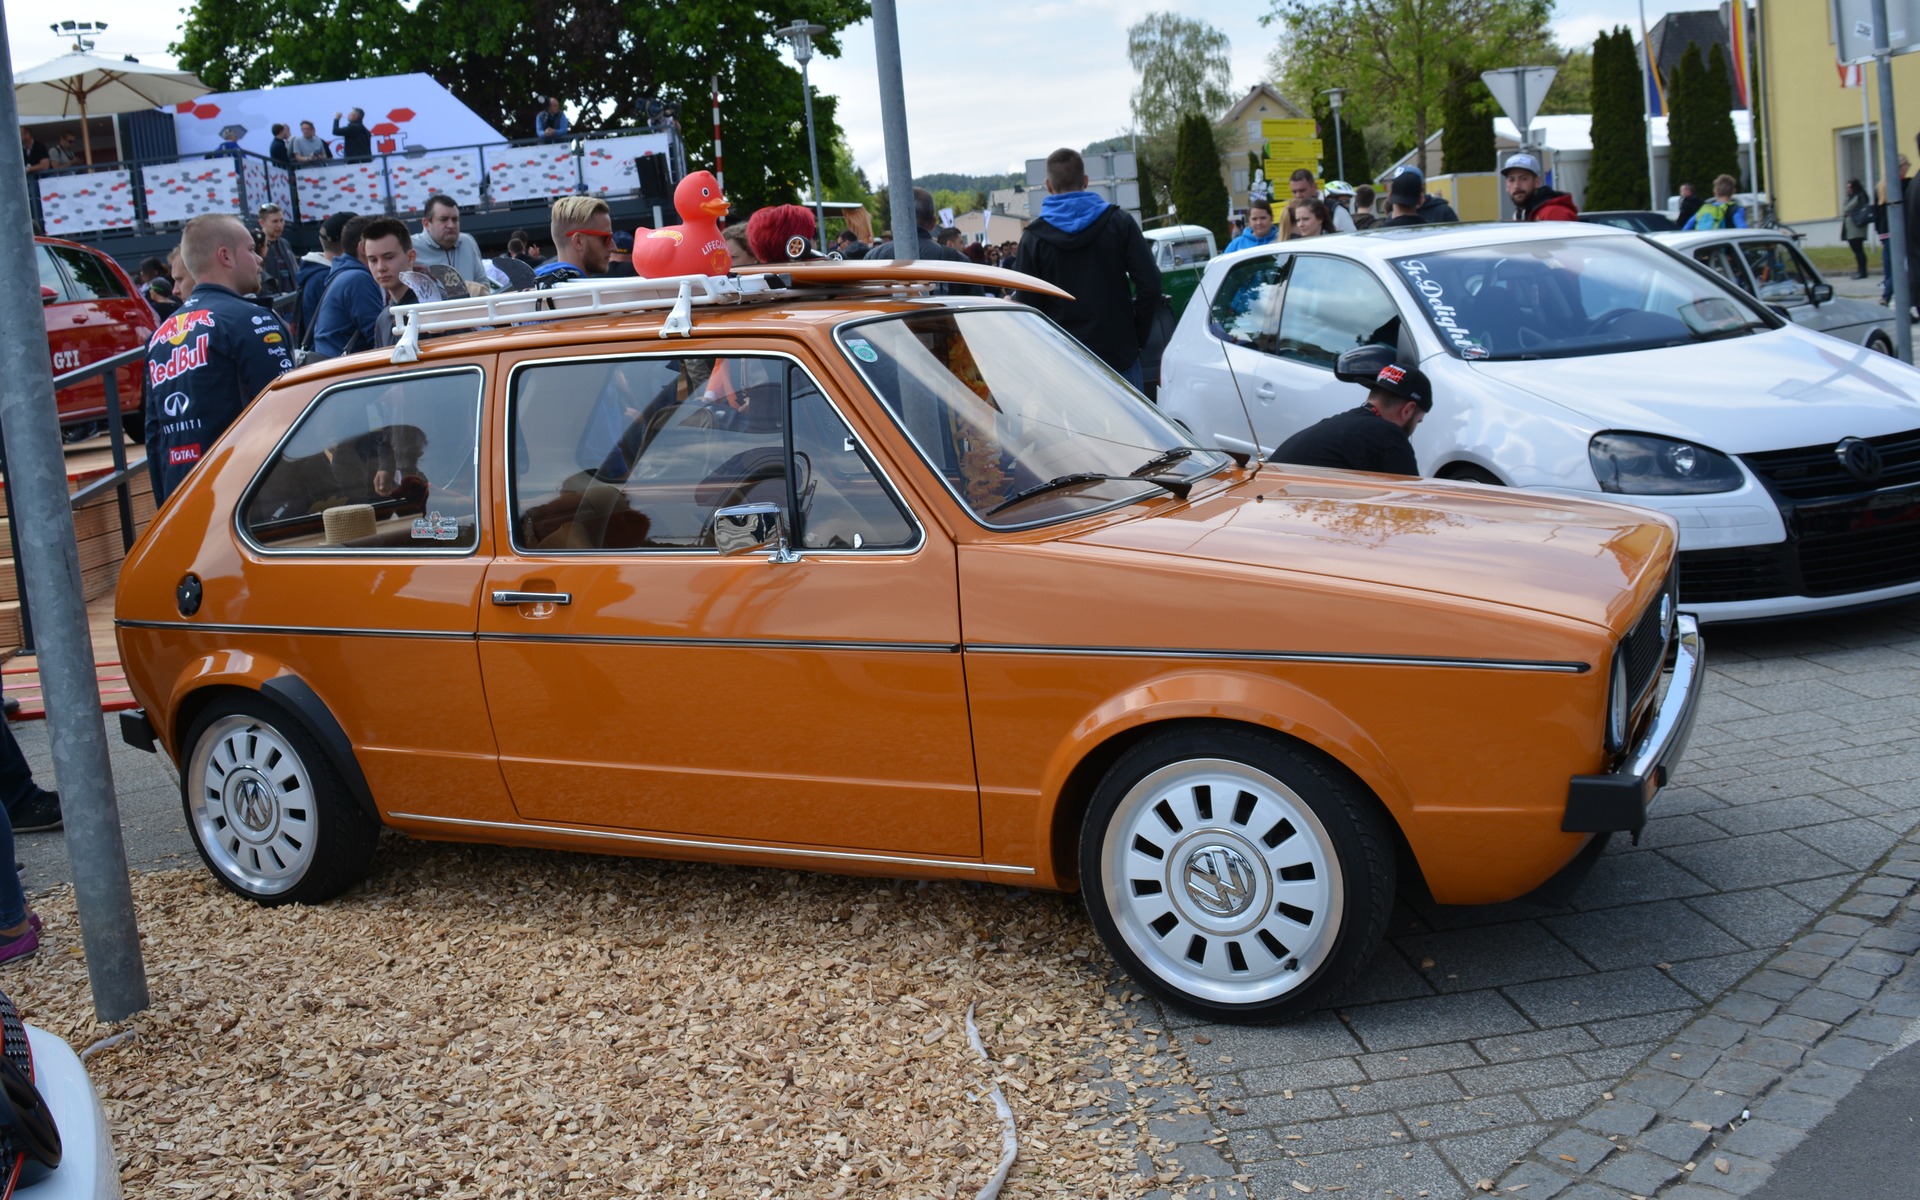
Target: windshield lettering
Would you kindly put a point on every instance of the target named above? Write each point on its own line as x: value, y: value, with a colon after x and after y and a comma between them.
x: 1443, y: 315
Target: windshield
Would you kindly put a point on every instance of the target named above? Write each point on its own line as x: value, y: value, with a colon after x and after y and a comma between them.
x: 1559, y: 299
x: 1000, y: 402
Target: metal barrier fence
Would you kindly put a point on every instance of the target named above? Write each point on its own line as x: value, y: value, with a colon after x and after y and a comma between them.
x: 149, y: 195
x: 117, y: 479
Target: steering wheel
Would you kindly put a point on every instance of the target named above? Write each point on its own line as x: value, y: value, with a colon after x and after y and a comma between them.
x: 1605, y: 320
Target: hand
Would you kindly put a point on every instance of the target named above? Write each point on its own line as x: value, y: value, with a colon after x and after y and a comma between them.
x: 337, y: 116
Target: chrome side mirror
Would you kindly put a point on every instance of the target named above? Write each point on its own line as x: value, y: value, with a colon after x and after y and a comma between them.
x: 745, y: 528
x: 1819, y: 293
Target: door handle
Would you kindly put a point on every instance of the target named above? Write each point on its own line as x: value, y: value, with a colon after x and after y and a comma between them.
x: 509, y: 599
x: 1264, y: 391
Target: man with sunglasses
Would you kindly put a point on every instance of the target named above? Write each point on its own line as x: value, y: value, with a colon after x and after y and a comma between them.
x: 582, y: 228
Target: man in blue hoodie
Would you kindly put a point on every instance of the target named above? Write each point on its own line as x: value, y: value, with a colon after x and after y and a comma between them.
x: 1092, y: 249
x: 350, y: 309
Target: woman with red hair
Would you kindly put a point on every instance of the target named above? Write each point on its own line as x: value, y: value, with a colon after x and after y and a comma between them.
x: 769, y: 230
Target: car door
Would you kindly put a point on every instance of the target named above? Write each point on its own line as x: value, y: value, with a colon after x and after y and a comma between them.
x: 647, y: 672
x: 1284, y: 322
x: 102, y: 318
x: 1782, y: 277
x: 68, y: 336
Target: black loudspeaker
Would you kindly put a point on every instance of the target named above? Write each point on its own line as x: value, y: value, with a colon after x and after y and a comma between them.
x: 651, y: 170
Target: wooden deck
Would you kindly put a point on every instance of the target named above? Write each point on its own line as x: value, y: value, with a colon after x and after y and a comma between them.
x: 97, y: 532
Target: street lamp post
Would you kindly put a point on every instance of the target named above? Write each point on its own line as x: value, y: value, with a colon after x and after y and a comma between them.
x: 1334, y: 95
x: 800, y: 36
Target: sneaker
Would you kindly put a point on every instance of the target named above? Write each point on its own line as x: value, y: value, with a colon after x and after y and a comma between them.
x: 38, y: 813
x: 20, y: 947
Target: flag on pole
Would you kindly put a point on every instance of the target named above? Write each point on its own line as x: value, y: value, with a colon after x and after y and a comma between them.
x: 1656, y: 94
x: 1737, y: 20
x: 1852, y: 75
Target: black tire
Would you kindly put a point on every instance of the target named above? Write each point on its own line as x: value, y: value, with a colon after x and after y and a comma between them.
x: 1468, y: 473
x: 1880, y: 343
x: 267, y: 808
x: 71, y: 434
x: 1284, y: 869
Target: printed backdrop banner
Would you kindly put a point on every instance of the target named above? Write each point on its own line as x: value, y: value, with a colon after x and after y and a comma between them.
x: 402, y: 111
x: 530, y: 172
x: 414, y: 178
x: 87, y: 201
x: 181, y: 191
x: 328, y: 188
x: 608, y: 164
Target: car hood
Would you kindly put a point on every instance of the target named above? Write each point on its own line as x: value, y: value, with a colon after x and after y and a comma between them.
x: 1769, y: 391
x: 1575, y: 558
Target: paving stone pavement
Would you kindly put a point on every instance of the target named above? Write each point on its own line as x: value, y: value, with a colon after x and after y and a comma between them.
x: 1703, y: 1000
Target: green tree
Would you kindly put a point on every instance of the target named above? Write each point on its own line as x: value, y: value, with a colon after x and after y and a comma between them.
x: 1467, y: 110
x: 605, y: 60
x: 1184, y: 67
x: 1351, y: 154
x: 1396, y: 57
x: 1719, y: 145
x: 1617, y: 172
x: 1686, y: 85
x: 1572, y: 90
x: 1199, y: 193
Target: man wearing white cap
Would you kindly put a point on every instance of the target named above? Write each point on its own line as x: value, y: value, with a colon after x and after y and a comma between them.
x: 1531, y: 201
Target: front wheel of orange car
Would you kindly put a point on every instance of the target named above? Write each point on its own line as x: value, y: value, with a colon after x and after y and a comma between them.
x: 267, y: 809
x: 1236, y: 874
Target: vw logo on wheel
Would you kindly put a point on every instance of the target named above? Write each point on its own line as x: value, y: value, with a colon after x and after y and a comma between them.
x: 1219, y: 881
x: 176, y: 404
x: 252, y: 806
x: 1861, y: 458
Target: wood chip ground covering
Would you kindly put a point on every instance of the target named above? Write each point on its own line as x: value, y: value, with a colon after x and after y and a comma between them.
x: 478, y: 1022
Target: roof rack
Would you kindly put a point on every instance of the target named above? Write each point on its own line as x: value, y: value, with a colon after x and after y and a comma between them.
x: 579, y: 298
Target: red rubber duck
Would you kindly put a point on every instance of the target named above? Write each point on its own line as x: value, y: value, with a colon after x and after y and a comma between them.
x: 693, y: 247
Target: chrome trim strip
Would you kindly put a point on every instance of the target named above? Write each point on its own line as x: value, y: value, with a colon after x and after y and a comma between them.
x: 1666, y: 737
x: 329, y: 631
x: 597, y: 639
x: 644, y: 839
x: 1375, y: 660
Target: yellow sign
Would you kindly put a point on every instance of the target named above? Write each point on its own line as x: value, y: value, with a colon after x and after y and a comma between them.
x: 1292, y: 127
x: 1291, y: 148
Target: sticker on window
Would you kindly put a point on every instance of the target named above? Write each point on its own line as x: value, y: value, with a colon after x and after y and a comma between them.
x: 863, y: 350
x: 436, y: 528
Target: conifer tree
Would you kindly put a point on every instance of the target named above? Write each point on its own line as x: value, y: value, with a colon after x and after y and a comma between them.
x: 1466, y: 114
x: 1719, y: 144
x: 1617, y: 172
x: 1685, y: 91
x: 1199, y: 193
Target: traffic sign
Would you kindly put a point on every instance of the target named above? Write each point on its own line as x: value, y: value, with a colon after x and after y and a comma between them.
x: 1520, y: 91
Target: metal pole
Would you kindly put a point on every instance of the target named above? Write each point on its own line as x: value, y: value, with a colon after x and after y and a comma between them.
x: 42, y: 519
x: 893, y: 126
x: 1646, y: 105
x: 1753, y: 129
x: 1520, y: 95
x: 719, y: 169
x: 1866, y: 135
x: 813, y: 156
x: 1896, y: 202
x: 1339, y: 146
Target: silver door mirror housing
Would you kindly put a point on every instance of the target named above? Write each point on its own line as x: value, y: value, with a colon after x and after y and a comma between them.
x: 744, y: 528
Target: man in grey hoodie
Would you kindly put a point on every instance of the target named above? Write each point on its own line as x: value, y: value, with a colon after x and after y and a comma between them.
x: 442, y: 244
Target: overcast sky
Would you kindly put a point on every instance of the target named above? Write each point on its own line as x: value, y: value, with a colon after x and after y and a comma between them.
x: 989, y: 84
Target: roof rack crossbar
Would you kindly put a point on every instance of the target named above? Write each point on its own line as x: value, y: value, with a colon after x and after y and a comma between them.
x: 582, y: 298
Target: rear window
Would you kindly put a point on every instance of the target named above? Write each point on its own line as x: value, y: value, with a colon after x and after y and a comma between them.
x: 92, y: 278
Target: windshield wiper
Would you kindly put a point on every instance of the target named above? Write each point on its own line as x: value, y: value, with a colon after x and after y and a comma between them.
x: 1179, y: 487
x: 1162, y: 461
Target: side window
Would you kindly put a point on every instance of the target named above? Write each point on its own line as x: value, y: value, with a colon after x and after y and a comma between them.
x: 1332, y: 306
x: 1777, y: 277
x: 50, y: 274
x: 92, y: 279
x: 638, y: 454
x: 383, y: 465
x: 1721, y: 260
x: 1246, y: 309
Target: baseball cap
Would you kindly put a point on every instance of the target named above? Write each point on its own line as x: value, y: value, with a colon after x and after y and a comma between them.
x: 335, y: 225
x: 1521, y: 162
x: 622, y: 240
x: 1408, y: 383
x: 1407, y: 187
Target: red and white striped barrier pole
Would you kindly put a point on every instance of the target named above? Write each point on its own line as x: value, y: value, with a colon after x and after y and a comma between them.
x: 719, y: 169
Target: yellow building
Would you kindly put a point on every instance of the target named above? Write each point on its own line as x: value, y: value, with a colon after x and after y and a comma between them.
x: 1811, y: 126
x: 1239, y: 135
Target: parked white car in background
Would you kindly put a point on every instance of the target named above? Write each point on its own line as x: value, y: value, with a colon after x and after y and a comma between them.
x: 1586, y: 360
x: 1766, y: 263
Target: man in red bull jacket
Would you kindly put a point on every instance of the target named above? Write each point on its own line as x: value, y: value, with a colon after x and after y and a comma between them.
x: 211, y: 357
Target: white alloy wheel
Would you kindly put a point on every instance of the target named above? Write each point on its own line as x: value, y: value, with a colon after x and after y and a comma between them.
x: 252, y: 805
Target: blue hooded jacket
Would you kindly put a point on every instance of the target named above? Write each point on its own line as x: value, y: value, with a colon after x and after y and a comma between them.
x: 1070, y: 212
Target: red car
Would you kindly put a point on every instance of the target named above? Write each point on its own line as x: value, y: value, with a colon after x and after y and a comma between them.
x: 93, y: 312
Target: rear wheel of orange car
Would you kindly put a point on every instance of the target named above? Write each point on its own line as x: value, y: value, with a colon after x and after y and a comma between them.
x: 267, y: 809
x: 1235, y: 873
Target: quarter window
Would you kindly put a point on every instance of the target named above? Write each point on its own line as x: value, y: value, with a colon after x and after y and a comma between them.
x: 639, y: 454
x: 50, y: 276
x: 92, y: 279
x: 385, y: 465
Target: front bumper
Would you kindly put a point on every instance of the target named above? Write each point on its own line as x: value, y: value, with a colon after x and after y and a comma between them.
x: 1618, y: 800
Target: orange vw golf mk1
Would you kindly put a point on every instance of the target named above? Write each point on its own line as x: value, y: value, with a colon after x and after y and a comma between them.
x: 812, y: 567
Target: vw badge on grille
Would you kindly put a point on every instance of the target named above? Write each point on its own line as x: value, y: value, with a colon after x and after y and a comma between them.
x: 1861, y: 458
x: 1219, y: 881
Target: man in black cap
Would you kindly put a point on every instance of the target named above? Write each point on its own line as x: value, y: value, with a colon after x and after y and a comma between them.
x: 1403, y: 201
x: 1431, y: 209
x: 1373, y: 437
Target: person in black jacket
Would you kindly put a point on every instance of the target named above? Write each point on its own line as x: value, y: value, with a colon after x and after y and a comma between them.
x: 1373, y: 437
x: 1092, y: 249
x: 355, y: 139
x: 211, y: 358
